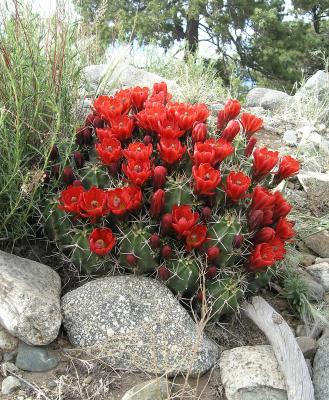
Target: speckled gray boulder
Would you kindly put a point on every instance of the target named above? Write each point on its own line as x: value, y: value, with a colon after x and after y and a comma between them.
x: 321, y: 370
x: 137, y: 324
x: 29, y: 299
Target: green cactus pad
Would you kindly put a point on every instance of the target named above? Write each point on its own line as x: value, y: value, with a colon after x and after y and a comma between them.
x: 178, y: 192
x: 94, y: 175
x: 184, y: 276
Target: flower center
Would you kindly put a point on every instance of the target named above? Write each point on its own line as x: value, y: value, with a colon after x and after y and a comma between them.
x: 207, y: 177
x: 137, y: 168
x: 74, y: 199
x: 100, y: 244
x: 116, y: 201
x: 194, y: 237
x: 94, y: 204
x: 109, y: 148
x: 121, y: 124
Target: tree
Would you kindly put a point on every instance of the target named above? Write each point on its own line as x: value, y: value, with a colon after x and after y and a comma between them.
x: 317, y: 10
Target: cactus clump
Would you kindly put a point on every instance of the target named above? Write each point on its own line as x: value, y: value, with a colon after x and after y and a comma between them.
x: 157, y: 189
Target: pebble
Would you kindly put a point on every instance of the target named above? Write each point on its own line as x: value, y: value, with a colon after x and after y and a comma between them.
x: 9, y: 385
x: 307, y: 345
x: 88, y: 380
x: 34, y: 358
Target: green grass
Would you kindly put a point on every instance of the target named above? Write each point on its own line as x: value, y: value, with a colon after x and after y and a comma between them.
x: 40, y: 74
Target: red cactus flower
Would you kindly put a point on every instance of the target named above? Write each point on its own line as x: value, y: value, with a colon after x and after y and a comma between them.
x: 206, y: 179
x: 261, y: 198
x: 101, y: 241
x: 232, y: 109
x: 231, y: 130
x: 284, y: 229
x: 68, y: 176
x: 162, y: 89
x: 202, y: 112
x: 255, y: 219
x: 203, y: 153
x: 264, y: 161
x: 222, y: 149
x: 138, y: 151
x: 213, y: 253
x: 108, y: 108
x: 136, y: 197
x: 196, y: 237
x: 288, y: 166
x: 93, y: 203
x: 264, y: 235
x: 122, y: 127
x: 159, y: 176
x: 237, y: 184
x: 183, y: 219
x: 251, y: 124
x: 168, y: 129
x: 139, y: 96
x: 150, y: 118
x: 138, y: 172
x: 78, y: 159
x: 166, y: 251
x: 278, y: 248
x: 281, y: 207
x: 119, y: 200
x: 199, y: 132
x: 157, y: 203
x: 187, y: 114
x: 262, y: 256
x: 155, y: 241
x: 171, y: 151
x: 124, y: 96
x: 109, y: 150
x: 69, y: 199
x: 250, y: 146
x: 104, y: 133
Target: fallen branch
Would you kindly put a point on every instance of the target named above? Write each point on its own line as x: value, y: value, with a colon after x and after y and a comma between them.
x: 290, y: 358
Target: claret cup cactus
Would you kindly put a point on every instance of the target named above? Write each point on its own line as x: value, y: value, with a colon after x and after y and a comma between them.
x: 161, y: 188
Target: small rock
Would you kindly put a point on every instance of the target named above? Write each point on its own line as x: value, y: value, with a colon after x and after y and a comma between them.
x: 10, y: 356
x: 9, y: 367
x: 320, y: 260
x: 307, y: 345
x: 34, y: 359
x: 29, y: 299
x: 320, y: 272
x: 321, y: 370
x: 316, y: 186
x: 301, y: 330
x: 7, y: 341
x: 137, y: 323
x: 319, y: 243
x: 290, y: 137
x: 157, y: 389
x: 10, y: 384
x: 315, y: 289
x: 316, y: 86
x: 269, y: 99
x: 307, y: 259
x: 252, y: 372
x: 88, y: 380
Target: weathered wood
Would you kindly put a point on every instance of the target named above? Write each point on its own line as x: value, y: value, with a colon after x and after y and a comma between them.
x: 289, y: 356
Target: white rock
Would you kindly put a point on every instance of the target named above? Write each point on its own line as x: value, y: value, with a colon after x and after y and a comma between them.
x: 9, y: 385
x: 290, y: 137
x: 268, y: 99
x: 7, y: 341
x: 156, y: 389
x: 320, y: 272
x: 316, y: 85
x: 29, y: 299
x: 252, y: 373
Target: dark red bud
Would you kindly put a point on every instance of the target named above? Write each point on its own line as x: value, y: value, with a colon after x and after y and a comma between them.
x: 211, y: 271
x: 131, y: 259
x: 84, y: 136
x: 199, y: 132
x: 154, y: 241
x: 68, y: 176
x: 163, y: 273
x: 264, y: 235
x: 77, y: 183
x: 54, y: 153
x: 113, y: 168
x: 166, y: 251
x: 238, y: 241
x: 166, y: 223
x: 213, y: 253
x: 159, y: 176
x: 206, y: 213
x: 255, y: 219
x: 46, y: 177
x: 90, y: 119
x: 98, y: 122
x: 200, y: 296
x: 250, y: 146
x: 147, y: 139
x: 55, y: 170
x: 78, y: 159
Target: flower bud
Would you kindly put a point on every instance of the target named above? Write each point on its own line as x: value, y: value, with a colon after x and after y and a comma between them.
x: 131, y: 259
x: 159, y: 176
x: 163, y: 273
x: 200, y: 296
x: 157, y: 203
x: 221, y: 119
x: 206, y: 213
x: 211, y: 271
x: 90, y: 119
x: 231, y: 130
x: 78, y: 159
x: 147, y: 139
x: 166, y: 223
x: 264, y: 235
x: 77, y: 183
x: 213, y: 253
x: 154, y: 241
x: 250, y: 146
x: 237, y: 241
x: 98, y: 122
x: 166, y: 251
x: 55, y: 170
x: 68, y: 176
x: 255, y: 219
x: 199, y: 132
x: 54, y: 153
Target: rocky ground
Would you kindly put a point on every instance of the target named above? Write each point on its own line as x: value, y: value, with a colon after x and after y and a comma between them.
x: 52, y: 353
